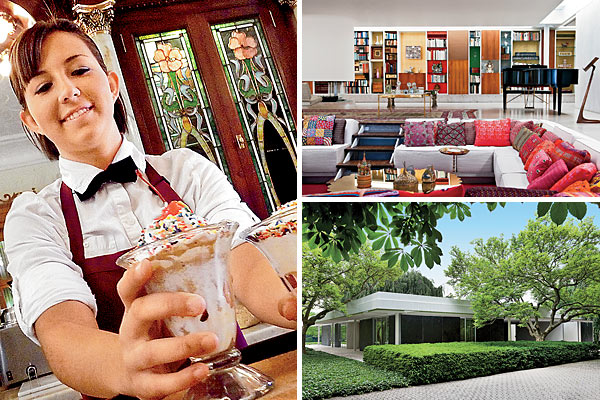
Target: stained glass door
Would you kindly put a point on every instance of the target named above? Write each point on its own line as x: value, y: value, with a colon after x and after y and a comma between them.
x: 221, y: 81
x: 261, y: 103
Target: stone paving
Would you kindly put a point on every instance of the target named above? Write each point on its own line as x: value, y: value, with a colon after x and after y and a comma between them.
x: 338, y: 351
x: 575, y: 381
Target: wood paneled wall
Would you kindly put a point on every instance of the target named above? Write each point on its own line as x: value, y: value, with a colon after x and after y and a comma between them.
x: 413, y: 39
x: 458, y: 62
x: 490, y: 45
x: 490, y: 50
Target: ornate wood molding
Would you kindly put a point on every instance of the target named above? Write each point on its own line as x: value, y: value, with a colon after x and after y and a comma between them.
x: 97, y: 18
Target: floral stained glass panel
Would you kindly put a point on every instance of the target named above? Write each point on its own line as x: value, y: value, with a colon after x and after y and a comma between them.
x: 178, y: 96
x: 262, y: 106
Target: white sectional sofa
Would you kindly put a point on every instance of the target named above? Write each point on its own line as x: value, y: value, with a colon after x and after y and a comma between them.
x: 321, y: 161
x: 502, y: 163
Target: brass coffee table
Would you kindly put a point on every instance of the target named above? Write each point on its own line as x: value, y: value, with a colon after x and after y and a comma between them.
x: 405, y: 96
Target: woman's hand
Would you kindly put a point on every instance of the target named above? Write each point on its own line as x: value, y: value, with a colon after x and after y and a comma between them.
x: 146, y: 351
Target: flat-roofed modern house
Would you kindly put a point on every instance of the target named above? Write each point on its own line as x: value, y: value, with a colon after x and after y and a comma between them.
x: 395, y: 318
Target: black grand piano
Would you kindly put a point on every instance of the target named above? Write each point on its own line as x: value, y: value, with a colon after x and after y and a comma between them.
x: 525, y: 79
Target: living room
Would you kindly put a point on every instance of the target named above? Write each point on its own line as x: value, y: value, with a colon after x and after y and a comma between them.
x: 390, y: 51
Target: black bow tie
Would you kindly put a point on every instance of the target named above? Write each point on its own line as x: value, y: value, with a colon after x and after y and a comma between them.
x: 120, y: 172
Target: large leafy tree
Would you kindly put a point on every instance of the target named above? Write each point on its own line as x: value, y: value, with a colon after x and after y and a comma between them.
x: 411, y: 282
x: 546, y: 271
x: 328, y: 285
x: 406, y: 232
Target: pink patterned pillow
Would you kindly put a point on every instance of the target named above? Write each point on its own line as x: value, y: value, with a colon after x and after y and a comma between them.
x: 572, y: 156
x: 546, y: 145
x: 539, y: 130
x: 550, y: 136
x: 470, y: 132
x: 528, y: 147
x: 540, y: 162
x: 552, y: 175
x: 450, y: 134
x: 419, y: 133
x: 492, y: 133
x: 582, y: 172
x: 515, y: 127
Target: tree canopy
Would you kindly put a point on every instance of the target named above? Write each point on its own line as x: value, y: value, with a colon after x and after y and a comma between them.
x: 411, y: 282
x: 406, y: 232
x: 328, y: 285
x: 546, y: 271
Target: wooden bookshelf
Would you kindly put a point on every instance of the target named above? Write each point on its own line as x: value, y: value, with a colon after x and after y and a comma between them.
x: 377, y: 60
x: 474, y: 62
x: 361, y: 64
x: 437, y: 61
x: 565, y: 51
x: 526, y: 47
x: 391, y: 58
x: 458, y: 62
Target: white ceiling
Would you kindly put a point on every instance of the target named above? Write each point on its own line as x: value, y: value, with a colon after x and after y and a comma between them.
x: 384, y: 13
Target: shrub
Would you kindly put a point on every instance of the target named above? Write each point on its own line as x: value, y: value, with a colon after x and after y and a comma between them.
x: 325, y: 375
x: 439, y: 362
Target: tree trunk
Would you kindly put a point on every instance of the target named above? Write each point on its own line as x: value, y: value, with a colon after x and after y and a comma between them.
x: 304, y: 329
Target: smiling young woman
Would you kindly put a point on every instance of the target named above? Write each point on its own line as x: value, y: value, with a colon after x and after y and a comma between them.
x: 101, y: 339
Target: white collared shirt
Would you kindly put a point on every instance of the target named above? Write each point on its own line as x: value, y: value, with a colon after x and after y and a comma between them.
x: 36, y: 238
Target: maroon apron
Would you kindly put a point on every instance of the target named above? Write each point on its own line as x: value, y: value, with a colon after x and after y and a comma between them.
x: 102, y: 273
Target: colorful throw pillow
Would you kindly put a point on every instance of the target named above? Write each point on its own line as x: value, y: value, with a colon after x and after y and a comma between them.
x: 595, y: 183
x: 318, y: 130
x: 546, y: 145
x: 450, y: 134
x: 339, y: 126
x: 521, y: 138
x: 515, y: 127
x: 582, y: 172
x: 539, y: 130
x: 552, y: 175
x: 470, y: 132
x: 528, y: 146
x: 550, y: 136
x: 419, y: 134
x: 579, y: 186
x: 492, y: 133
x: 541, y: 161
x: 572, y: 156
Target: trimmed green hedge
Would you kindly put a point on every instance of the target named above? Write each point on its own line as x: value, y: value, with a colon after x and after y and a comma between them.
x: 325, y: 375
x: 438, y: 362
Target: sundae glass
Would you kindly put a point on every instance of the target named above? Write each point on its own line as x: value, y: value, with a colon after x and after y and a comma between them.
x: 187, y: 255
x: 276, y: 238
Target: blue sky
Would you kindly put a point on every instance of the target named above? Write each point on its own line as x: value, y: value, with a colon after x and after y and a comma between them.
x: 483, y: 224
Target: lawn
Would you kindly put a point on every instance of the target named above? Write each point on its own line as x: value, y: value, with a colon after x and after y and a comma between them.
x: 325, y: 375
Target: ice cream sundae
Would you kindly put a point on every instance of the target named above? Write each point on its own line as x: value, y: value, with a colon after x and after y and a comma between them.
x: 189, y: 255
x: 276, y: 237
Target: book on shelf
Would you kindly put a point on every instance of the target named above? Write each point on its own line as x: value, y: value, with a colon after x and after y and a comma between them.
x: 437, y: 78
x: 526, y: 36
x: 475, y: 42
x: 361, y: 34
x: 436, y: 42
x: 436, y: 55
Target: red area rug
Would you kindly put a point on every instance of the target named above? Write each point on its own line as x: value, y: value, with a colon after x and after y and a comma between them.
x: 397, y: 114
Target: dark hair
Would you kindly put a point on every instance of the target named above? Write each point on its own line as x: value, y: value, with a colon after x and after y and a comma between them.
x: 25, y: 59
